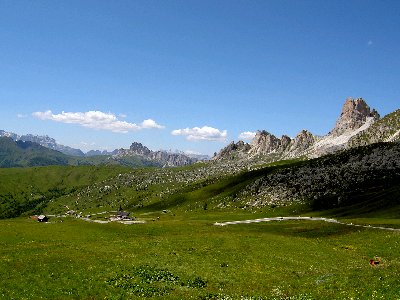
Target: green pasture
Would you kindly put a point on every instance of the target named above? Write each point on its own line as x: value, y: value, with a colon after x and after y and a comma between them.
x: 184, y: 256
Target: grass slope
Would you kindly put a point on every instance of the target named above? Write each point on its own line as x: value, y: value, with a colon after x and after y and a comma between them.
x: 185, y: 257
x: 179, y: 254
x: 28, y: 154
x: 377, y: 189
x: 379, y: 131
x: 29, y: 190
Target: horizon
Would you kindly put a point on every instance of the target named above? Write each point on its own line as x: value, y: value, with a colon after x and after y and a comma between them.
x: 192, y: 76
x: 244, y: 136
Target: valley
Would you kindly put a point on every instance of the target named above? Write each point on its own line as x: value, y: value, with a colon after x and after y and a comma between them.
x: 293, y: 223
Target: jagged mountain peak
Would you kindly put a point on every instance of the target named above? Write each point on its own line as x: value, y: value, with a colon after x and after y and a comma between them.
x: 354, y: 126
x: 233, y: 150
x: 139, y: 148
x: 355, y: 113
x: 303, y: 140
x: 263, y: 143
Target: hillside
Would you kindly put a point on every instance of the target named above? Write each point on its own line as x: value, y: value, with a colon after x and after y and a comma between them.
x: 28, y: 154
x: 385, y: 130
x: 29, y: 190
x: 44, y: 141
x: 369, y: 174
x: 137, y: 155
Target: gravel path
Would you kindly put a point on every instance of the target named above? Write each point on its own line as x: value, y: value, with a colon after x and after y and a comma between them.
x: 302, y: 218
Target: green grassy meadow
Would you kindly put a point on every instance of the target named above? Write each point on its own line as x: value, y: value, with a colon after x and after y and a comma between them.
x: 178, y: 253
x: 184, y: 256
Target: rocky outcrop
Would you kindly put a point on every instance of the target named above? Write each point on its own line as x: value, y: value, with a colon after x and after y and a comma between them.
x: 303, y: 141
x: 357, y: 125
x: 386, y: 129
x: 285, y: 143
x: 139, y: 149
x: 165, y: 158
x: 356, y: 117
x: 355, y: 113
x: 233, y: 151
x: 264, y: 143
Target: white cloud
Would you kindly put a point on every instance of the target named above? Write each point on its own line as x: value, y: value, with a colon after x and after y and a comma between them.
x: 21, y: 116
x: 204, y: 133
x: 247, y: 135
x: 96, y: 120
x: 149, y: 123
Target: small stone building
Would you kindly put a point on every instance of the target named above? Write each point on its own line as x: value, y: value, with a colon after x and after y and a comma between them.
x: 42, y: 218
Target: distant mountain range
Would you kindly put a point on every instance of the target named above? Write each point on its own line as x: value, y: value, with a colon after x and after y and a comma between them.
x: 167, y: 159
x: 44, y: 141
x: 357, y: 125
x: 28, y: 154
x: 32, y: 150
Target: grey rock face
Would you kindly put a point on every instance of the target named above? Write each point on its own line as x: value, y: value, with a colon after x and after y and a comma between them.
x: 139, y: 149
x: 264, y: 143
x: 357, y: 125
x: 354, y: 114
x: 233, y: 151
x: 285, y: 142
x: 303, y: 141
x: 386, y: 129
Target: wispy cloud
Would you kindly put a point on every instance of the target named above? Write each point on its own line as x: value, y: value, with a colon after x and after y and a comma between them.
x: 370, y: 43
x: 96, y: 120
x: 192, y: 152
x: 247, y: 135
x: 204, y: 133
x: 21, y: 116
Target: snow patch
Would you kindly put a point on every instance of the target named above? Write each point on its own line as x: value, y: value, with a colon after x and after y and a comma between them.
x: 329, y: 140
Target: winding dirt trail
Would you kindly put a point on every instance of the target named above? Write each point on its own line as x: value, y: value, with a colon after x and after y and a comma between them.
x: 301, y: 218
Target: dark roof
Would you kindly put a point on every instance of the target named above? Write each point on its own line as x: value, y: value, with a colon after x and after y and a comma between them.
x: 122, y: 213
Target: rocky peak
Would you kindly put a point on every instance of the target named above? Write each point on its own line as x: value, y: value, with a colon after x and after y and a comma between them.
x: 232, y: 150
x: 139, y: 149
x: 303, y: 140
x: 355, y: 113
x: 264, y: 142
x: 285, y: 141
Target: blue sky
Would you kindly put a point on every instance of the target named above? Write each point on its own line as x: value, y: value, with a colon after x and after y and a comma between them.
x: 191, y: 75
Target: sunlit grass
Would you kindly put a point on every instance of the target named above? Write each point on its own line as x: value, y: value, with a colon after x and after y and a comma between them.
x: 307, y: 260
